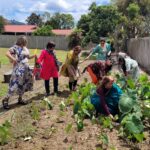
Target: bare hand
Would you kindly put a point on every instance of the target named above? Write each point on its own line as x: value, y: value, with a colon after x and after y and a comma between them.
x: 14, y: 61
x: 81, y: 61
x: 111, y: 116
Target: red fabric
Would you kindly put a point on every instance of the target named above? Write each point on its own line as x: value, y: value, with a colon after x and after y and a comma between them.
x: 49, y: 68
x: 93, y: 76
x: 101, y: 93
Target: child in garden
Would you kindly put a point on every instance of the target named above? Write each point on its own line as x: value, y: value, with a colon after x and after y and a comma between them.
x: 37, y: 69
x: 49, y: 68
x: 70, y: 68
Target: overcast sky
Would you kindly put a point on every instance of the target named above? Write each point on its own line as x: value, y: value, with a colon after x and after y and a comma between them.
x: 21, y: 9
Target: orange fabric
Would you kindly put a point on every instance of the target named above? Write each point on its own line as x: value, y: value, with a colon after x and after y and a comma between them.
x: 92, y: 75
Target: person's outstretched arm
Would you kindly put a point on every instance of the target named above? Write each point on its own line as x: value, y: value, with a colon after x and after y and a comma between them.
x: 92, y: 51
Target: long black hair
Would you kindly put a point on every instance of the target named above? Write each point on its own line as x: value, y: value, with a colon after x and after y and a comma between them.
x: 123, y: 65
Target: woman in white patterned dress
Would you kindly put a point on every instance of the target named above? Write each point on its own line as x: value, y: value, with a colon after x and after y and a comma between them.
x: 21, y: 78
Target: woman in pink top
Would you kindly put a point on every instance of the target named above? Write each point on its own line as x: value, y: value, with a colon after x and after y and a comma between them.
x: 49, y: 69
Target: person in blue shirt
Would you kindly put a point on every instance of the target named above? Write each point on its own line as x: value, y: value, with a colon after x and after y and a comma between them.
x: 102, y: 50
x: 106, y: 97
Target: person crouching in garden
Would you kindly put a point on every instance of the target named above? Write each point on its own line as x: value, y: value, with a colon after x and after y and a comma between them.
x: 129, y: 67
x: 22, y: 77
x: 70, y: 68
x: 106, y: 97
x: 98, y: 69
x: 49, y: 68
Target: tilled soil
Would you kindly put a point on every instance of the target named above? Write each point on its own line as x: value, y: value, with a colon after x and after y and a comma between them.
x: 49, y: 132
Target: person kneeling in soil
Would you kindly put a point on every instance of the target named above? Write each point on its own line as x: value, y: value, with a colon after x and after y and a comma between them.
x: 70, y: 68
x: 106, y: 97
x: 50, y: 67
x: 98, y: 69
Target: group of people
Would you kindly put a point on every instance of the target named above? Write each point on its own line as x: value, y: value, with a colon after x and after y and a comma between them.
x: 106, y: 97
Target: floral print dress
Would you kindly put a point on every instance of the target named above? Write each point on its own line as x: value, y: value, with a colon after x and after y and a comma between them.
x: 21, y: 78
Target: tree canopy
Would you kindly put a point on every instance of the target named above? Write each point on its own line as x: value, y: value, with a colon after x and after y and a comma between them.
x: 61, y: 21
x: 43, y: 31
x: 100, y: 21
x: 133, y: 21
x: 2, y: 22
x: 34, y: 19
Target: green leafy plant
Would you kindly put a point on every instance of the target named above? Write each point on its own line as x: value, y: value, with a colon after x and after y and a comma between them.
x: 82, y: 106
x: 35, y: 112
x: 134, y: 106
x: 106, y: 122
x: 79, y: 122
x: 68, y: 128
x: 80, y: 125
x: 5, y: 132
x: 104, y: 138
x: 62, y: 106
x: 125, y: 104
x: 48, y: 103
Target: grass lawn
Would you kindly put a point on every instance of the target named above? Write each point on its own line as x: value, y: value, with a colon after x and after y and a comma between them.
x: 61, y: 55
x: 3, y: 89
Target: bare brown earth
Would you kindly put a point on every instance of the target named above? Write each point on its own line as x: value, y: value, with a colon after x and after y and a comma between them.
x: 49, y: 132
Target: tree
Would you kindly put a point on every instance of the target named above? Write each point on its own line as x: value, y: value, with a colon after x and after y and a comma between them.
x: 61, y: 21
x: 43, y: 31
x: 133, y: 22
x: 75, y: 38
x: 122, y: 5
x: 2, y: 22
x: 45, y: 17
x: 84, y: 24
x: 34, y: 19
x: 100, y: 21
x: 133, y: 10
x: 146, y: 26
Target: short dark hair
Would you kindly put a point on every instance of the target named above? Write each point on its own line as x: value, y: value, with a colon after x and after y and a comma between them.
x: 123, y: 66
x: 50, y: 44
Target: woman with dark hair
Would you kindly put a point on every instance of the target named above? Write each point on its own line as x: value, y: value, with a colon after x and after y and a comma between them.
x: 70, y: 67
x: 103, y: 49
x: 129, y: 67
x: 22, y: 77
x: 50, y: 67
x: 106, y: 97
x: 98, y: 69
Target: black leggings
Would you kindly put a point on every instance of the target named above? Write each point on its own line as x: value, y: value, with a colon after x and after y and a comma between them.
x: 55, y: 85
x: 72, y: 85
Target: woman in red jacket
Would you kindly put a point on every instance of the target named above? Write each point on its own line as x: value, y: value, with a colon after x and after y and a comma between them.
x: 50, y: 67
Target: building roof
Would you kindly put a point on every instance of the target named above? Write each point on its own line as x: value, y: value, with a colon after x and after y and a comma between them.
x: 20, y: 28
x: 65, y: 32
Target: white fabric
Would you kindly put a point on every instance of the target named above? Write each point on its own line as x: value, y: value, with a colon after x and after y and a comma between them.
x: 130, y: 63
x: 25, y: 51
x: 132, y: 67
